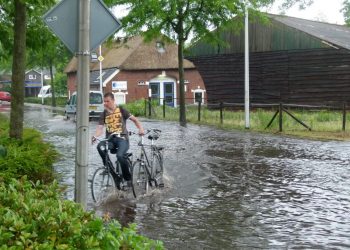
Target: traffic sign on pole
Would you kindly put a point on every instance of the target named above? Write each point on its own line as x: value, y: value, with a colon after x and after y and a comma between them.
x: 82, y: 25
x: 63, y: 20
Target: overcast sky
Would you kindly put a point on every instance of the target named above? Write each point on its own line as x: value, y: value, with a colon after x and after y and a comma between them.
x: 321, y: 10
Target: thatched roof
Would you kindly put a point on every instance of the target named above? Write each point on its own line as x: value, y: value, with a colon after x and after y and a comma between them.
x: 135, y: 54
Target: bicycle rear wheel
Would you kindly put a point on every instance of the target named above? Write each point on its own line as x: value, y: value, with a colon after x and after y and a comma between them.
x: 102, y: 184
x: 157, y: 166
x: 139, y: 179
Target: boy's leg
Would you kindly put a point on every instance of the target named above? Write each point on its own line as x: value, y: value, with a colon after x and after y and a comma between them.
x: 123, y: 147
x: 100, y: 149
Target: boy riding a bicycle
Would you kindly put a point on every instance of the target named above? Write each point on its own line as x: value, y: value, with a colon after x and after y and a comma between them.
x: 114, y: 119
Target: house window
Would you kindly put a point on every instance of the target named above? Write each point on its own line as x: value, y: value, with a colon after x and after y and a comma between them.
x: 119, y: 98
x: 198, y: 95
x: 32, y: 77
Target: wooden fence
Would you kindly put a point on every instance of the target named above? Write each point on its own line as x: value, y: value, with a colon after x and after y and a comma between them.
x: 279, y: 107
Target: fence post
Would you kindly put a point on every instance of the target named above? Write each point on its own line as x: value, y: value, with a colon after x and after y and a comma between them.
x: 145, y: 107
x: 163, y: 108
x: 199, y: 110
x: 344, y: 115
x: 280, y: 117
x: 221, y: 115
x: 149, y: 106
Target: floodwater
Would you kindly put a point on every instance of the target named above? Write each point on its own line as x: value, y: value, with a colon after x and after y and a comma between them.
x: 227, y: 190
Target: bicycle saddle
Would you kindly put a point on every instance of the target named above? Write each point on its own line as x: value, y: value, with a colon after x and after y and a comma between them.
x: 153, y: 137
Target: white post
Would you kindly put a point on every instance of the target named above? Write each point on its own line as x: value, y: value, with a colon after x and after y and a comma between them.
x: 42, y: 85
x: 101, y: 87
x: 83, y: 89
x: 246, y: 67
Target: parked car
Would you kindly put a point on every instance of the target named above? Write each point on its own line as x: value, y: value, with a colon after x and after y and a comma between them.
x: 96, y: 106
x: 5, y: 96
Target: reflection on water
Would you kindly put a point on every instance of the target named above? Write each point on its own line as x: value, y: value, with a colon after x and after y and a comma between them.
x: 229, y: 190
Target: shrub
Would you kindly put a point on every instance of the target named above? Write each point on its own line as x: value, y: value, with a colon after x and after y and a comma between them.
x: 29, y: 156
x: 60, y: 101
x: 137, y: 108
x: 32, y: 216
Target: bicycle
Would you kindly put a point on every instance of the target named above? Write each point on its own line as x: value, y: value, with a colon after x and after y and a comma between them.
x: 108, y: 178
x: 147, y: 171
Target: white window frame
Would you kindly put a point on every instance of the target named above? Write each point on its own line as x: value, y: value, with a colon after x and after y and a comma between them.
x: 123, y: 94
x: 199, y: 90
x: 32, y: 77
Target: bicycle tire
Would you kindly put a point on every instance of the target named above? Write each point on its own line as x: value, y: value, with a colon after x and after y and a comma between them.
x: 102, y: 184
x: 157, y: 168
x: 139, y: 179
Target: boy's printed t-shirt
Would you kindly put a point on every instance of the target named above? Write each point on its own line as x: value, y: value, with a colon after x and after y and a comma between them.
x: 115, y: 122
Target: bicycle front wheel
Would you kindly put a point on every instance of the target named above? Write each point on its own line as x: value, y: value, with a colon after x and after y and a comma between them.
x: 139, y: 179
x: 102, y: 184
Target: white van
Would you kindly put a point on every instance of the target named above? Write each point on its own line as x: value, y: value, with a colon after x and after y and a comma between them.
x: 45, y: 91
x: 95, y: 105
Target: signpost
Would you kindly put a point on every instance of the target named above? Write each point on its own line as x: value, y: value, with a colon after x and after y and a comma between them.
x: 82, y: 25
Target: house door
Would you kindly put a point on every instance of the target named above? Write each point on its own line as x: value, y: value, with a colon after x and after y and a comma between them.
x: 169, y: 93
x: 154, y: 87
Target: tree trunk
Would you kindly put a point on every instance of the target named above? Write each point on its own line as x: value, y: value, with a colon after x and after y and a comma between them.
x: 182, y: 118
x: 52, y: 86
x: 18, y: 70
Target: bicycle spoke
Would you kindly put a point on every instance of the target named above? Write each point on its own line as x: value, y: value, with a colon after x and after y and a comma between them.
x: 102, y: 184
x: 157, y: 166
x: 139, y: 179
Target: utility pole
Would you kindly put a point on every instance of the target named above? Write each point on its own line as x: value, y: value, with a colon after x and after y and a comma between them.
x: 83, y: 89
x: 100, y: 60
x: 42, y: 86
x: 246, y: 67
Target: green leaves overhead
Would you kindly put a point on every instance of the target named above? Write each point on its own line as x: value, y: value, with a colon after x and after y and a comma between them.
x: 346, y: 11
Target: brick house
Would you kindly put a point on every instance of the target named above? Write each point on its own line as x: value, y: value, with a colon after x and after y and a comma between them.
x: 134, y: 69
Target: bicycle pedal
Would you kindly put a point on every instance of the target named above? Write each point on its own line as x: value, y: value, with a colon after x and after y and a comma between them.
x: 161, y: 185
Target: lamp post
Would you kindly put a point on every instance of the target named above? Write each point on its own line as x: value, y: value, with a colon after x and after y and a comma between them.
x: 42, y: 86
x: 100, y: 58
x: 246, y: 67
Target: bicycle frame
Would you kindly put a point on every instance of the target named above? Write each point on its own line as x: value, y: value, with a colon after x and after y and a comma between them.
x: 117, y: 175
x: 148, y: 165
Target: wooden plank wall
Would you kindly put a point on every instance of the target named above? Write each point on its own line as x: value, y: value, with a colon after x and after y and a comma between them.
x: 310, y: 77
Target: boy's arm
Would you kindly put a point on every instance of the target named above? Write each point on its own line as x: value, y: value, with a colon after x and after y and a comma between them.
x: 137, y: 124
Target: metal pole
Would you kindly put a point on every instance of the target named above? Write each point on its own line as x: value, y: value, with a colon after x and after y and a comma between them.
x: 246, y: 68
x: 101, y: 70
x: 42, y: 86
x: 83, y: 88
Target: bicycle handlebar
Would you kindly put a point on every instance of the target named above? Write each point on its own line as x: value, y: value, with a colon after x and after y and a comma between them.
x: 108, y: 138
x: 147, y: 131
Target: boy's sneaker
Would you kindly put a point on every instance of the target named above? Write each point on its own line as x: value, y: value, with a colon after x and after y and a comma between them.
x: 127, y: 185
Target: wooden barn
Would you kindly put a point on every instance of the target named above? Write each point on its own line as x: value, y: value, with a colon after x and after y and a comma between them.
x: 292, y: 60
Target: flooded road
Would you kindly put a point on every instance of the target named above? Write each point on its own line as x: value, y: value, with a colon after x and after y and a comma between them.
x: 227, y: 190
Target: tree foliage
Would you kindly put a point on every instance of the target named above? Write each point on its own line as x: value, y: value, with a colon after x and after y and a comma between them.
x: 20, y: 25
x: 346, y: 11
x: 181, y: 19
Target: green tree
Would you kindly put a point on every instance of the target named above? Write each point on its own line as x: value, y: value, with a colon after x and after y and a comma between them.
x: 346, y: 11
x: 47, y: 51
x: 16, y: 17
x: 18, y: 70
x: 182, y: 19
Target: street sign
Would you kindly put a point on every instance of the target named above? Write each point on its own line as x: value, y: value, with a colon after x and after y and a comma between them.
x: 100, y: 58
x: 63, y: 20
